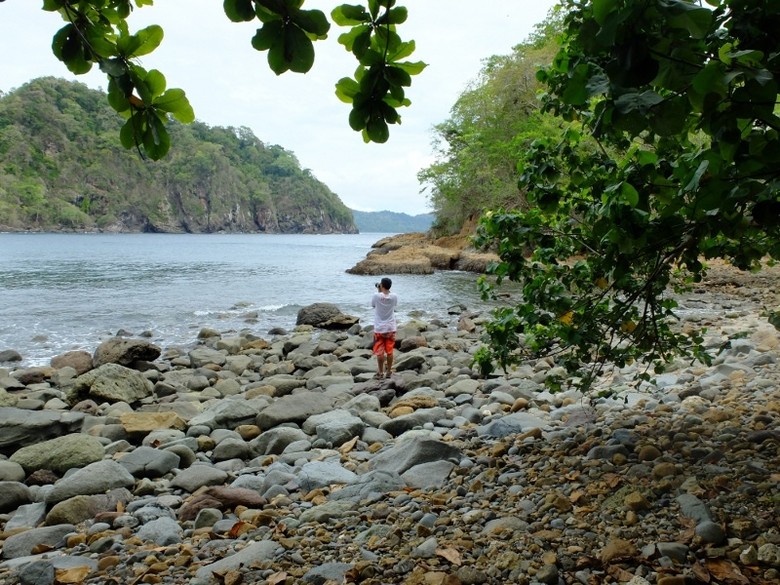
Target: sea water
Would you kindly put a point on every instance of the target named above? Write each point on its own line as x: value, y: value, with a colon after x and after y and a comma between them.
x: 60, y: 292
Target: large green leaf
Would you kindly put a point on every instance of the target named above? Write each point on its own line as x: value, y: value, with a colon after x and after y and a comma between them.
x: 393, y: 16
x: 129, y: 133
x: 294, y: 53
x: 239, y: 10
x: 686, y: 15
x: 601, y: 8
x: 117, y: 98
x: 412, y: 68
x: 141, y: 43
x: 68, y: 47
x: 175, y: 102
x: 377, y: 130
x: 269, y: 34
x: 156, y: 139
x: 349, y: 15
x: 346, y: 89
x: 397, y: 76
x: 155, y: 82
x: 313, y: 22
x: 53, y: 5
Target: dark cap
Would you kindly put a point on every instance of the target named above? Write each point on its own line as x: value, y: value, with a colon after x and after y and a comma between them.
x: 386, y: 283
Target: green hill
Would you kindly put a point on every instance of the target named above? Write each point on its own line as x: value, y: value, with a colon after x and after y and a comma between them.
x: 390, y: 222
x: 62, y: 168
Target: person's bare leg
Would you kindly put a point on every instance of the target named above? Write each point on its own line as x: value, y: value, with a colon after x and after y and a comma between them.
x: 389, y: 364
x: 380, y: 363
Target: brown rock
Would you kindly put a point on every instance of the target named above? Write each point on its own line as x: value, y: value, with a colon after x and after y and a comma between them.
x: 636, y: 501
x: 664, y: 469
x: 79, y: 360
x: 146, y: 422
x: 617, y: 549
x: 195, y: 504
x: 413, y: 342
x: 231, y: 497
x: 36, y: 375
x: 649, y: 453
x: 519, y: 404
x: 125, y: 352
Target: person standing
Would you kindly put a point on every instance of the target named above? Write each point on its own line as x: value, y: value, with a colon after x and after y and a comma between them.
x: 384, y: 303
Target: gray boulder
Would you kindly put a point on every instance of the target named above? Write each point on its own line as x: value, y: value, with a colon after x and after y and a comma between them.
x: 10, y: 471
x: 399, y: 425
x: 406, y: 454
x: 10, y: 355
x: 95, y: 478
x: 293, y: 408
x: 125, y: 352
x: 335, y: 427
x: 325, y: 316
x: 228, y: 413
x: 79, y: 360
x: 260, y: 551
x: 112, y: 383
x: 149, y: 462
x: 7, y: 399
x: 80, y: 508
x: 317, y: 313
x: 60, y: 454
x: 12, y: 495
x: 319, y: 474
x: 203, y: 356
x: 274, y: 441
x: 22, y: 544
x: 163, y: 532
x: 20, y: 427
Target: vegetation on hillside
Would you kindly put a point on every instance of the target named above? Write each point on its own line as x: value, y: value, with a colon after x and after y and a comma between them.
x: 489, y: 130
x: 681, y: 99
x: 391, y: 222
x: 61, y: 167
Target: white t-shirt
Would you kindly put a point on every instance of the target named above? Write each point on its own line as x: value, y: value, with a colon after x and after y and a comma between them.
x: 384, y: 312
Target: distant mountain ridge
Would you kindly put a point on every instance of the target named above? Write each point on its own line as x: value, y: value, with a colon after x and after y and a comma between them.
x: 391, y: 222
x: 62, y: 168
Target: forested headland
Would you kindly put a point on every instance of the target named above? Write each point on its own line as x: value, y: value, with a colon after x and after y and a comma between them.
x: 63, y: 168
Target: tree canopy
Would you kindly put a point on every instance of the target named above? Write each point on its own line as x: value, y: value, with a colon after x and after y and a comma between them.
x: 669, y: 157
x: 97, y: 33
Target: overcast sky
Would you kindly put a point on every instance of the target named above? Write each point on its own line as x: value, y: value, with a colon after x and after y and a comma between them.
x: 230, y: 84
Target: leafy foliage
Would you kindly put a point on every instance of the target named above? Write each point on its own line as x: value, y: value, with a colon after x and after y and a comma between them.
x: 61, y: 168
x: 97, y: 33
x: 680, y: 101
x: 489, y: 129
x: 377, y: 89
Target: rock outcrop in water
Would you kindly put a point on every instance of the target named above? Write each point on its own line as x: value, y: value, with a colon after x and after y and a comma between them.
x: 419, y: 253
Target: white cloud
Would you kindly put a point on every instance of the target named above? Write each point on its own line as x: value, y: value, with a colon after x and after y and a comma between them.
x: 229, y: 83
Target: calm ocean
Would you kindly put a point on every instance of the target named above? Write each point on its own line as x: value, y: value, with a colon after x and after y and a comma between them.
x: 60, y: 292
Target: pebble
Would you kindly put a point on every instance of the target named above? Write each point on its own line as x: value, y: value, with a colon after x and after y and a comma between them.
x: 286, y: 462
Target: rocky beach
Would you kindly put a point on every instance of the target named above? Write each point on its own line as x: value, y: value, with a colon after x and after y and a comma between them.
x: 279, y: 459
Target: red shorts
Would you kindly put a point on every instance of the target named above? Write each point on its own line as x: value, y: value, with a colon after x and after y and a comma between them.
x: 384, y: 343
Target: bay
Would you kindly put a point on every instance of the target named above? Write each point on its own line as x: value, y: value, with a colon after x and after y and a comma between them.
x: 60, y: 292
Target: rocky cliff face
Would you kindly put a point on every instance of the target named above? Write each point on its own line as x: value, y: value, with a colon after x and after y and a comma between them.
x: 68, y: 172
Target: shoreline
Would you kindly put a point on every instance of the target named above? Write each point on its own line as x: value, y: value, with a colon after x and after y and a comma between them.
x: 250, y: 457
x: 281, y: 460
